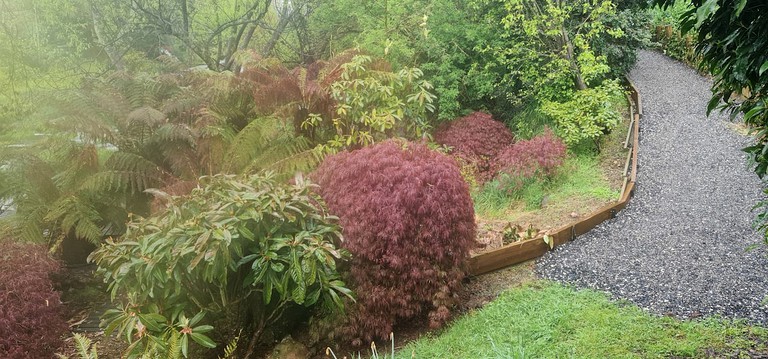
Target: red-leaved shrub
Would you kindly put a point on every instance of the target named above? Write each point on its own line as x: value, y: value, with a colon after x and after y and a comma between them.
x: 537, y: 158
x: 408, y: 221
x: 476, y: 138
x: 31, y: 324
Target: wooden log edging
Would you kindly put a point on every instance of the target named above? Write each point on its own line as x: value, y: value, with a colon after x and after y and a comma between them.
x: 525, y: 250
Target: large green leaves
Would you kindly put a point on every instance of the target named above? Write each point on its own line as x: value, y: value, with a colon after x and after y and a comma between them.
x: 373, y: 105
x: 249, y: 244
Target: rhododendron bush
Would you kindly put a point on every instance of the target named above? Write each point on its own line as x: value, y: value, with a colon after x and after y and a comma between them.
x: 31, y: 324
x: 477, y: 139
x: 408, y: 220
x: 245, y: 247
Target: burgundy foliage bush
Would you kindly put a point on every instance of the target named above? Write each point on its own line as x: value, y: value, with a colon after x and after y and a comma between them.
x: 408, y: 220
x: 537, y: 158
x: 31, y: 324
x: 476, y: 138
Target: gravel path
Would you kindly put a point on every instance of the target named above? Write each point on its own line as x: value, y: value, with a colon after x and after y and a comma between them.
x: 680, y: 246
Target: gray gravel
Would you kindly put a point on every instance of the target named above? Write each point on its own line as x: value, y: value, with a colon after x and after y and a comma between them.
x: 680, y: 247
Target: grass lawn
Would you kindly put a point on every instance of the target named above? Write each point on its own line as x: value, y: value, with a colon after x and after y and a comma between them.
x: 580, y: 186
x: 548, y: 320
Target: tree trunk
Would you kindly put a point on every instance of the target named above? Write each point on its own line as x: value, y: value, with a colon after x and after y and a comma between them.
x: 184, y: 18
x: 281, y: 26
x: 112, y: 53
x: 579, y: 79
x: 244, y: 45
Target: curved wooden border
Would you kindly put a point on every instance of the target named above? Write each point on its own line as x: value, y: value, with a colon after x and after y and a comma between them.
x: 522, y: 251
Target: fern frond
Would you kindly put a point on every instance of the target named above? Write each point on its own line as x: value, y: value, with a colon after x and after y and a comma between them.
x: 180, y: 105
x: 231, y: 348
x: 126, y: 172
x: 286, y: 156
x: 172, y: 132
x: 145, y: 116
x: 131, y: 182
x: 183, y: 161
x: 83, y: 345
x: 247, y: 144
x: 26, y: 227
x: 76, y: 213
x: 80, y: 162
x: 131, y: 162
x: 141, y: 90
x: 174, y: 345
x: 86, y: 129
x: 331, y: 71
x: 33, y: 180
x: 30, y: 231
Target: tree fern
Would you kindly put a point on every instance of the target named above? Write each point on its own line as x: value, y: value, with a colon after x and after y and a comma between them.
x: 286, y: 156
x: 76, y: 213
x: 127, y: 173
x: 26, y: 226
x: 121, y: 135
x: 83, y: 162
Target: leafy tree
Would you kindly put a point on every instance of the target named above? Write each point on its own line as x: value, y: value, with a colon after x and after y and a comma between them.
x: 36, y: 58
x: 621, y: 52
x: 250, y: 247
x: 554, y: 49
x: 212, y: 31
x: 373, y: 103
x: 287, y: 34
x: 384, y: 29
x: 457, y: 57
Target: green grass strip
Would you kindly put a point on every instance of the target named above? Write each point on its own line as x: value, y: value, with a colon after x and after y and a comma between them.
x: 547, y: 320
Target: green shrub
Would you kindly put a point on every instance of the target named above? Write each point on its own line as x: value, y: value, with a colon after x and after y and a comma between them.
x: 373, y: 105
x: 248, y: 247
x: 621, y: 52
x: 529, y: 121
x: 667, y: 36
x: 588, y: 115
